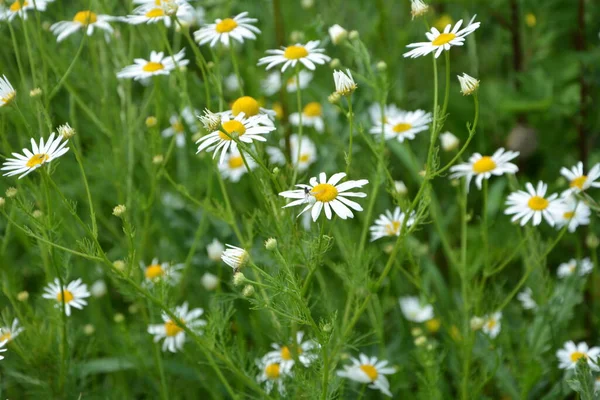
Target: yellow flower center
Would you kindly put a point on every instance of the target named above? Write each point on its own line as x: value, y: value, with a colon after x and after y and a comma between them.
x: 178, y: 127
x: 36, y: 160
x: 155, y: 13
x: 17, y: 5
x: 443, y: 39
x: 6, y: 336
x: 572, y: 268
x: 278, y: 110
x: 231, y: 127
x: 154, y: 271
x: 370, y: 370
x: 530, y: 20
x: 484, y: 164
x: 172, y: 329
x: 272, y: 371
x: 312, y: 109
x: 248, y: 105
x: 491, y: 324
x: 235, y: 162
x: 324, y: 192
x: 226, y: 25
x: 152, y: 66
x: 66, y: 295
x: 295, y: 52
x: 569, y: 214
x: 304, y: 157
x: 286, y: 354
x: 392, y: 228
x: 401, y: 127
x: 433, y: 325
x: 85, y: 18
x: 576, y: 355
x: 537, y: 203
x: 578, y: 182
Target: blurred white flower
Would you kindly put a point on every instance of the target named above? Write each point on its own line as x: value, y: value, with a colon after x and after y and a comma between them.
x: 215, y: 249
x: 491, y: 324
x: 575, y: 213
x: 449, y: 141
x: 209, y: 281
x: 171, y: 332
x: 582, y: 267
x: 337, y: 34
x: 526, y: 299
x: 414, y: 310
x: 369, y: 370
x: 571, y: 353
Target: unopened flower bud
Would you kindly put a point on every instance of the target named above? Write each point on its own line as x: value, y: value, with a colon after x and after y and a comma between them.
x: 416, y: 332
x: 420, y: 341
x: 353, y: 35
x: 158, y: 159
x: 209, y: 281
x: 66, y: 131
x: 11, y: 192
x: 337, y: 34
x: 418, y: 8
x: 276, y: 171
x: 296, y: 36
x: 23, y: 296
x: 119, y: 210
x: 592, y: 241
x: 238, y: 279
x: 119, y: 265
x: 468, y: 84
x: 151, y: 122
x: 37, y: 214
x: 248, y: 291
x: 271, y: 244
x: 306, y: 4
x: 449, y: 141
x: 400, y: 188
x: 334, y: 97
x: 89, y: 329
x: 35, y: 92
x: 335, y: 63
x: 2, y: 202
x: 118, y: 318
x: 381, y: 66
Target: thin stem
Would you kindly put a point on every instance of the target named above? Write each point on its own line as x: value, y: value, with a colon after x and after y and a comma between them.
x: 236, y: 68
x: 447, y: 91
x: 351, y: 121
x: 200, y: 61
x: 484, y: 226
x: 69, y: 69
x: 300, y: 128
x: 87, y: 190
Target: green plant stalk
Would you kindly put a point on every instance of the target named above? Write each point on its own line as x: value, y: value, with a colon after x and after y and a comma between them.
x: 300, y: 127
x: 236, y: 68
x: 484, y: 227
x: 351, y: 122
x: 69, y: 69
x: 87, y: 188
x: 17, y: 55
x: 29, y: 50
x: 464, y: 276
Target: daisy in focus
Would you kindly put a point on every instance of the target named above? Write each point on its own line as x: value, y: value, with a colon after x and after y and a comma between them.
x: 301, y: 158
x: 238, y: 28
x: 177, y: 127
x: 369, y: 370
x: 246, y: 130
x: 483, y: 167
x: 152, y: 12
x: 7, y: 92
x: 8, y: 333
x: 312, y: 116
x: 20, y: 8
x: 87, y: 20
x: 73, y: 294
x: 403, y: 125
x: 578, y: 181
x: 526, y: 299
x: 39, y: 155
x: 581, y: 267
x: 440, y: 41
x: 533, y: 205
x: 171, y: 332
x: 491, y: 324
x: 575, y: 213
x: 390, y: 224
x: 156, y: 272
x: 273, y: 373
x: 235, y: 257
x: 233, y: 168
x: 344, y: 83
x: 298, y: 81
x: 328, y: 195
x: 571, y: 353
x: 157, y: 65
x: 308, y: 55
x: 305, y: 351
x: 413, y: 310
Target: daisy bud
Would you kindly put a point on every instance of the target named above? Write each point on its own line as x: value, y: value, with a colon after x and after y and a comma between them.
x: 337, y: 34
x: 416, y: 332
x: 89, y: 329
x: 119, y: 210
x: 400, y: 187
x: 133, y: 309
x: 422, y: 173
x: 119, y: 265
x: 215, y: 249
x: 418, y: 8
x: 592, y: 241
x: 296, y: 36
x: 276, y: 171
x: 35, y: 92
x: 327, y: 328
x: 476, y: 323
x: 11, y: 192
x: 235, y: 257
x: 468, y: 84
x: 306, y: 4
x: 381, y: 66
x: 210, y: 120
x: 530, y: 20
x: 158, y: 159
x: 238, y: 279
x: 271, y: 244
x: 151, y: 122
x: 23, y: 296
x: 335, y: 63
x: 248, y: 291
x: 209, y: 281
x: 344, y: 83
x: 66, y: 131
x: 118, y: 318
x: 170, y: 7
x: 433, y: 325
x: 353, y: 35
x: 37, y: 214
x: 334, y: 97
x: 420, y: 341
x: 210, y: 65
x: 98, y: 288
x: 2, y: 201
x: 449, y: 141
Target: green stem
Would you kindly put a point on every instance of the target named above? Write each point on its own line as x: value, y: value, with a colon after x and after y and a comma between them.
x: 236, y: 69
x: 66, y: 74
x: 300, y: 127
x: 351, y: 121
x: 87, y: 189
x: 484, y: 226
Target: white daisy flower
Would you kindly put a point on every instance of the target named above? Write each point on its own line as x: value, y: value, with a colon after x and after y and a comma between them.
x: 98, y: 288
x: 194, y: 17
x: 2, y: 349
x: 173, y: 334
x: 438, y: 42
x: 533, y: 204
x: 7, y: 92
x: 389, y: 111
x: 246, y: 129
x: 161, y: 272
x: 73, y: 295
x: 571, y: 353
x: 390, y: 224
x: 400, y: 188
x: 302, y: 81
x: 449, y: 141
x: 337, y: 34
x: 308, y: 54
x: 177, y: 127
x: 159, y: 64
x: 8, y: 333
x: 300, y: 159
x: 20, y: 8
x: 491, y: 324
x: 209, y: 281
x: 369, y: 370
x: 87, y: 20
x: 235, y: 257
x: 215, y: 249
x: 271, y: 84
x: 250, y: 107
x: 403, y: 125
x: 575, y: 213
x: 223, y: 30
x: 582, y: 267
x: 483, y: 167
x: 152, y: 12
x: 231, y: 83
x: 38, y: 156
x: 273, y: 373
x: 418, y: 8
x: 468, y: 84
x: 312, y: 116
x: 233, y: 168
x: 328, y: 195
x: 578, y: 182
x: 344, y: 83
x: 282, y: 355
x: 526, y: 299
x: 413, y: 310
